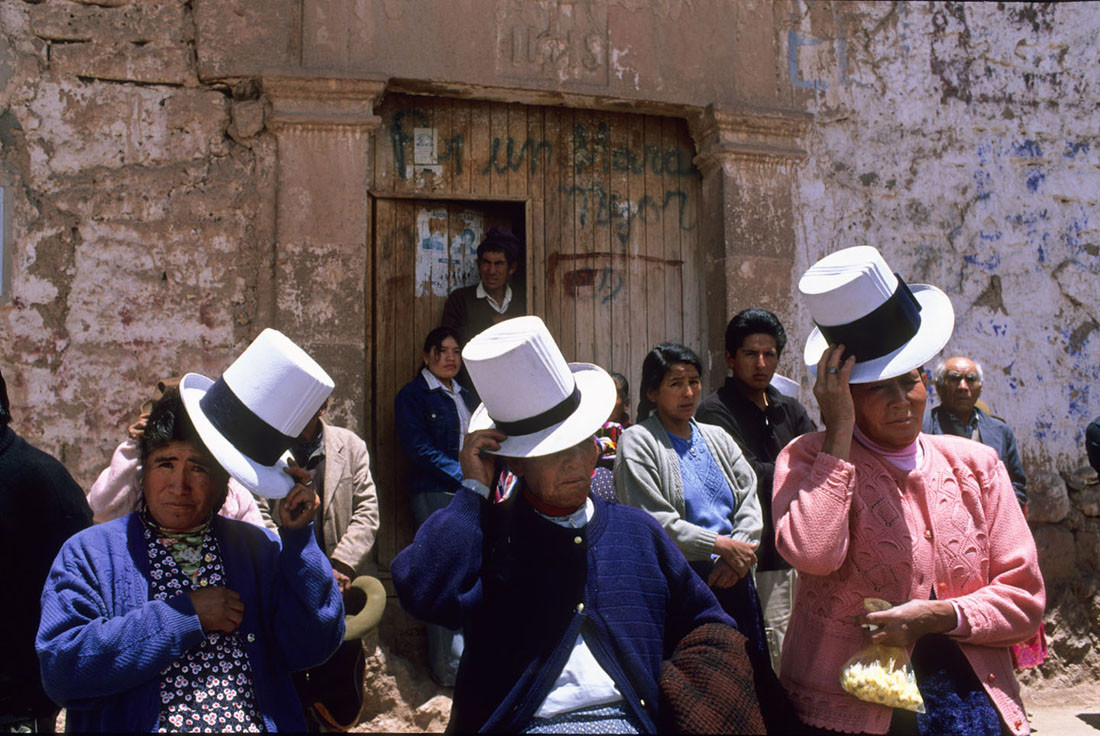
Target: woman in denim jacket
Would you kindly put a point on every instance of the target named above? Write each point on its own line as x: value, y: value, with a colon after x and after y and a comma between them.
x: 432, y: 412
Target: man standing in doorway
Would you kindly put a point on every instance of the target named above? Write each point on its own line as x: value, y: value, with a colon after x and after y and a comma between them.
x: 959, y: 384
x: 471, y: 309
x: 761, y: 421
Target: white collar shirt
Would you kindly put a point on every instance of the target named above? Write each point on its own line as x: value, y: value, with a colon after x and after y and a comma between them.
x: 455, y: 393
x: 498, y: 308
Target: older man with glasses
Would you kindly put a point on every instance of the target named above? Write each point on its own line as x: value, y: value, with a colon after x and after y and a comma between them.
x: 959, y: 385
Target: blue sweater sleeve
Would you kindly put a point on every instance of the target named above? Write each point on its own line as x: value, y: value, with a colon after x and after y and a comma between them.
x: 85, y: 652
x: 308, y: 615
x: 437, y: 577
x: 409, y: 417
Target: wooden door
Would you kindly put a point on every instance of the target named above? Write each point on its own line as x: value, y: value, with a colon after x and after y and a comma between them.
x: 613, y: 260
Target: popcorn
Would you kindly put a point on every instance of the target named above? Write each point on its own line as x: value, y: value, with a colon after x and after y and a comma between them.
x: 883, y: 683
x: 882, y: 674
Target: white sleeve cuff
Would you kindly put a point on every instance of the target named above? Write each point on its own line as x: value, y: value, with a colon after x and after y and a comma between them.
x: 476, y: 486
x: 962, y: 629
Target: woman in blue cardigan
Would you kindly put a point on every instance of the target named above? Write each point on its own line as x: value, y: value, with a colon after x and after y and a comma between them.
x: 432, y: 413
x: 173, y: 617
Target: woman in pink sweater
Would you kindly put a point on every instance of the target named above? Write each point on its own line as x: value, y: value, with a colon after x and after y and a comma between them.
x: 873, y: 508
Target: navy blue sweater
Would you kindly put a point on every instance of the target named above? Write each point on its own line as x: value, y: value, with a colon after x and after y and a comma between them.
x: 522, y: 588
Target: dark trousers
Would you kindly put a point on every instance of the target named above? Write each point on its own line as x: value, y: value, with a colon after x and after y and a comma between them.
x: 742, y: 603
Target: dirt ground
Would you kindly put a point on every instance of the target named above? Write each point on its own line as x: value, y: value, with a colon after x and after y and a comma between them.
x: 1071, y: 711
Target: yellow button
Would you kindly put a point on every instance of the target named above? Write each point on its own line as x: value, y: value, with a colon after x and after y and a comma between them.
x: 992, y: 677
x: 577, y: 540
x: 927, y: 533
x: 203, y: 583
x: 641, y: 702
x: 580, y: 607
x: 251, y: 638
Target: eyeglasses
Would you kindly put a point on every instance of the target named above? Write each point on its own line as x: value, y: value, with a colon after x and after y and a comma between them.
x: 955, y: 377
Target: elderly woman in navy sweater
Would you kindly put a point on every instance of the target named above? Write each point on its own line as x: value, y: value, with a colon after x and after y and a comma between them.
x: 175, y: 618
x: 569, y: 603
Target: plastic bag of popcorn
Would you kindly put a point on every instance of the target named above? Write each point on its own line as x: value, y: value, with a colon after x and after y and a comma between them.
x: 882, y: 674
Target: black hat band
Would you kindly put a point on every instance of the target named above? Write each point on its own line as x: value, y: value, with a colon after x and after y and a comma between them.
x: 557, y: 413
x: 241, y: 426
x: 892, y: 324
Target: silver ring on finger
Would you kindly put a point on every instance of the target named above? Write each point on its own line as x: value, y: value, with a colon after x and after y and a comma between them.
x: 308, y: 483
x: 833, y: 371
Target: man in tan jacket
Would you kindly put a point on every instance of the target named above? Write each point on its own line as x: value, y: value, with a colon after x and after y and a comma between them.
x: 347, y: 521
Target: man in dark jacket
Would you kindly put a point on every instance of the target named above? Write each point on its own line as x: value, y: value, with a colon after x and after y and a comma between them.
x: 959, y: 384
x: 762, y: 421
x: 40, y: 507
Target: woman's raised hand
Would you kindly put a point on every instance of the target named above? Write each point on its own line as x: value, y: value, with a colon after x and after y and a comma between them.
x: 834, y: 398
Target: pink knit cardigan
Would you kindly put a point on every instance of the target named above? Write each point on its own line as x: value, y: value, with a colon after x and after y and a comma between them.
x: 955, y: 525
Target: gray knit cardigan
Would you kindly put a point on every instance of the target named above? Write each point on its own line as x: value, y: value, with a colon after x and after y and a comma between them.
x: 647, y: 475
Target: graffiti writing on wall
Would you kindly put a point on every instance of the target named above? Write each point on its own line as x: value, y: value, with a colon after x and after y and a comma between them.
x: 610, y: 209
x: 591, y: 147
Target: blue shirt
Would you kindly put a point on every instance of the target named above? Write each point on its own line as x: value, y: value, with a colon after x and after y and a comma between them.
x: 708, y: 500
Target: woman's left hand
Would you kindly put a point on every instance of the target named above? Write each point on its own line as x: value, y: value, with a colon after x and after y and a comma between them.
x: 902, y: 625
x: 722, y: 575
x: 300, y: 505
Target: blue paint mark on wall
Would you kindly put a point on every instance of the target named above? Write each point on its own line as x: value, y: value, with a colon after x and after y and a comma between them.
x: 1027, y: 149
x: 1035, y: 177
x: 990, y: 237
x: 794, y: 43
x: 1075, y: 147
x: 984, y: 183
x: 989, y: 264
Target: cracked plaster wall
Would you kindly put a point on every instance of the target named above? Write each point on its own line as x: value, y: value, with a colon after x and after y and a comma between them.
x: 962, y: 140
x: 136, y: 229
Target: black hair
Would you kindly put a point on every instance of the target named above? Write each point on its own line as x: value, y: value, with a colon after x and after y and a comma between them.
x: 168, y: 422
x: 435, y: 338
x: 622, y: 386
x: 656, y: 364
x: 499, y: 240
x: 754, y: 321
x: 5, y: 405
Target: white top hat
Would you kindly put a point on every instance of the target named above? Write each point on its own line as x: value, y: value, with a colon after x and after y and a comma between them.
x: 890, y: 326
x: 249, y: 417
x: 530, y: 393
x: 786, y: 386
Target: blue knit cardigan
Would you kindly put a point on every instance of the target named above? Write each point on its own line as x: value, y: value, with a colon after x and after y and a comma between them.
x: 102, y: 642
x: 522, y: 588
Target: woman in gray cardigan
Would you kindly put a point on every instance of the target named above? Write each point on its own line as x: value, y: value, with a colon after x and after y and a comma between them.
x: 695, y: 481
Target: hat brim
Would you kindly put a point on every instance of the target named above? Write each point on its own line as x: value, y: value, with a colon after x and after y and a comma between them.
x: 937, y: 320
x: 269, y: 481
x: 597, y: 392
